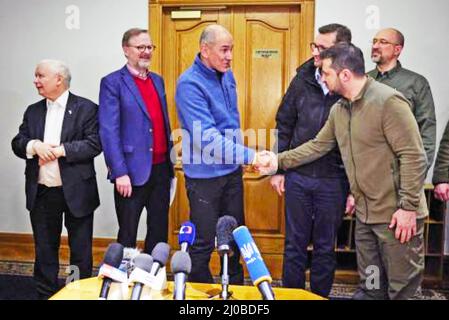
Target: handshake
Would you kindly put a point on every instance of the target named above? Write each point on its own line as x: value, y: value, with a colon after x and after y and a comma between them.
x: 265, y: 162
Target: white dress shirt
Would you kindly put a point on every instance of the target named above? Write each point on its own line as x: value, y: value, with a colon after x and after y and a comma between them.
x: 49, y: 173
x: 320, y: 82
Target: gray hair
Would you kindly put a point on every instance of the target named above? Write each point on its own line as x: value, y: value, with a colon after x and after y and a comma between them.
x: 59, y: 68
x: 209, y: 34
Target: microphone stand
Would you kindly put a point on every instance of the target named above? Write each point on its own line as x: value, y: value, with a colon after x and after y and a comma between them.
x: 179, y: 292
x: 225, y: 251
x: 265, y: 289
x: 225, y: 279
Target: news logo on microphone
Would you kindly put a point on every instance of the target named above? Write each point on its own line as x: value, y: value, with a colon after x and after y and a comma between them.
x: 186, y: 229
x: 187, y: 234
x: 250, y: 252
x: 251, y: 255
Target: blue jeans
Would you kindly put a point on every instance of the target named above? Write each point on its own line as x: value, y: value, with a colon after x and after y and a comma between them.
x: 314, y: 208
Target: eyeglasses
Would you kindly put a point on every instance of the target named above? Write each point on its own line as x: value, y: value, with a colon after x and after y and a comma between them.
x: 142, y: 48
x: 314, y: 46
x: 383, y: 42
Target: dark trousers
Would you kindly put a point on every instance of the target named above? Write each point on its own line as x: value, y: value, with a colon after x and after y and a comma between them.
x: 210, y: 199
x: 314, y: 211
x: 46, y: 221
x: 387, y: 268
x: 154, y: 196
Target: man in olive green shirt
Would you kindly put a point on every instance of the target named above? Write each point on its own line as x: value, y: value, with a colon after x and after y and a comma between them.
x: 386, y: 48
x: 385, y: 162
x: 440, y: 177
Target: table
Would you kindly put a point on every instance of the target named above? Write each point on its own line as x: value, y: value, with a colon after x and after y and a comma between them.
x: 88, y: 289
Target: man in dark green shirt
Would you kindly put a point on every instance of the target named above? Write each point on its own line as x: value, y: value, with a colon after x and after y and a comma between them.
x: 386, y: 48
x: 440, y: 177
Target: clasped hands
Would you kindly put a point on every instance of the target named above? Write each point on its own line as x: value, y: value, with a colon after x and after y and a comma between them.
x: 47, y: 152
x: 265, y: 162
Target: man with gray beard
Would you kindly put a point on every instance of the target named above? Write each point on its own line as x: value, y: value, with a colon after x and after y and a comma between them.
x: 134, y: 132
x: 387, y: 46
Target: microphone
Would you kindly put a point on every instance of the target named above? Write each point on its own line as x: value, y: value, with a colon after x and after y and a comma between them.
x: 128, y: 257
x: 160, y: 256
x: 140, y: 274
x: 109, y: 270
x: 186, y: 235
x: 260, y: 276
x: 225, y: 226
x: 181, y: 265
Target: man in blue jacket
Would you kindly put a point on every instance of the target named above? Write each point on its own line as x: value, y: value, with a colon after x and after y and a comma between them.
x: 212, y: 150
x: 134, y: 132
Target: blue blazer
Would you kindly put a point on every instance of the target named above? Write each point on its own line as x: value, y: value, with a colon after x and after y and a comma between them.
x: 126, y: 127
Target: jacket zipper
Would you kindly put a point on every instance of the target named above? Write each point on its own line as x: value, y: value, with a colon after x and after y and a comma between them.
x: 353, y: 162
x: 224, y: 89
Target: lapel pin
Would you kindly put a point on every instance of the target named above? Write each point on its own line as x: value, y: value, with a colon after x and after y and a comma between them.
x: 70, y: 111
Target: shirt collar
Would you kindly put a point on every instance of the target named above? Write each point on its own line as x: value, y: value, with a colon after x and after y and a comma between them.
x: 60, y: 101
x: 389, y: 73
x: 136, y: 73
x: 360, y: 95
x: 320, y: 82
x: 206, y: 69
x: 369, y: 80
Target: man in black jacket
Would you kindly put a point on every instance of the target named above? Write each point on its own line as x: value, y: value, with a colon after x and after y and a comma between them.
x: 315, y: 194
x: 59, y: 140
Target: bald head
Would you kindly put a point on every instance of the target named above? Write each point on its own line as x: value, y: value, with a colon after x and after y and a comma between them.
x: 393, y: 34
x: 216, y: 45
x: 386, y: 49
x: 213, y: 33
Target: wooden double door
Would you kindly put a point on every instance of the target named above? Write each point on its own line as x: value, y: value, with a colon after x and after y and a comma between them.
x: 270, y: 42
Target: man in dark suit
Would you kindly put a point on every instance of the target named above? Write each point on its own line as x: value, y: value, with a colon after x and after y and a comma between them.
x: 134, y: 132
x: 59, y: 140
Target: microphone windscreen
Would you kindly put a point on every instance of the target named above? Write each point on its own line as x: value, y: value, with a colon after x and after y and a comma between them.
x: 257, y: 269
x: 180, y: 262
x: 143, y: 261
x: 187, y: 233
x: 225, y: 226
x: 113, y: 255
x: 160, y: 253
x: 130, y: 253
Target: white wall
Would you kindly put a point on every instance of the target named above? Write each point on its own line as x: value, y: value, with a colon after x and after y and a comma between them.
x: 424, y: 25
x: 32, y: 30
